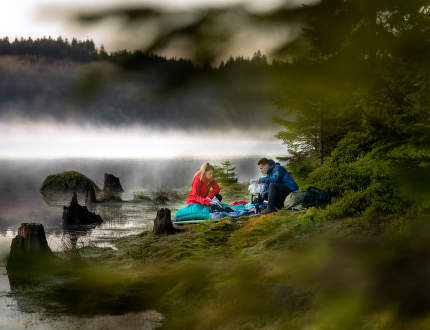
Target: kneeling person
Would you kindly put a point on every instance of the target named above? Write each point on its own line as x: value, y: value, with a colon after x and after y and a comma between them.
x: 277, y: 184
x: 204, y: 187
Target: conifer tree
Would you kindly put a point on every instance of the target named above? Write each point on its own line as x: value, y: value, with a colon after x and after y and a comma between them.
x: 225, y: 173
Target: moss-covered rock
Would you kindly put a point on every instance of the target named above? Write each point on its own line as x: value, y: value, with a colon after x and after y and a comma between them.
x: 67, y: 181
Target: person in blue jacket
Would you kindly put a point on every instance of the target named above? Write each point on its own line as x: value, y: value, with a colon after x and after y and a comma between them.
x: 277, y: 184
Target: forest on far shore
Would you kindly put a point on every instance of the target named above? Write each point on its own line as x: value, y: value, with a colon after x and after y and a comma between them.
x: 75, y: 80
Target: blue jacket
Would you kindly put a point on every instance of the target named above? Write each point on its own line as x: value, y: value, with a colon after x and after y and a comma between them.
x: 278, y: 174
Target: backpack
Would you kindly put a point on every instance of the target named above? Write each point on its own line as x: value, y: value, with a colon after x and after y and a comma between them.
x: 303, y: 199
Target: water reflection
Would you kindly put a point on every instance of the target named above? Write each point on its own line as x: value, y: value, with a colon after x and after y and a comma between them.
x: 17, y: 312
x: 120, y: 219
x: 21, y: 201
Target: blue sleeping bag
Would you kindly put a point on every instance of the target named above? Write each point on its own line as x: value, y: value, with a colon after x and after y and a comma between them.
x: 196, y: 211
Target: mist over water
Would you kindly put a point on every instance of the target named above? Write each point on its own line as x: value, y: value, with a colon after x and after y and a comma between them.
x: 21, y: 175
x: 49, y: 139
x: 20, y: 181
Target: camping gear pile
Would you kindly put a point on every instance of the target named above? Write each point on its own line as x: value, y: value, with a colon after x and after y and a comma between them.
x: 196, y: 212
x: 296, y: 201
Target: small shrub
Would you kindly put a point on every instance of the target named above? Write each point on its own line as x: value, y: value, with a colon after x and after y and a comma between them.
x: 225, y: 173
x: 141, y: 196
x: 361, y: 177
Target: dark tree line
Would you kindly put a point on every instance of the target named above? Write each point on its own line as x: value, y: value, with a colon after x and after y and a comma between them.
x: 78, y: 50
x: 86, y: 51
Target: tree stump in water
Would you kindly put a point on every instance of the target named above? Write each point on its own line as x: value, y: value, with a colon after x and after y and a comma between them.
x: 111, y: 189
x: 77, y: 215
x: 29, y: 243
x: 163, y: 223
x: 91, y: 195
x: 112, y: 184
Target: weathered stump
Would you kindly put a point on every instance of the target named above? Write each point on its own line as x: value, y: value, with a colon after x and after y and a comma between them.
x: 111, y: 189
x: 163, y: 223
x: 30, y: 257
x: 28, y: 244
x: 31, y: 238
x: 112, y: 184
x: 91, y: 195
x: 76, y: 214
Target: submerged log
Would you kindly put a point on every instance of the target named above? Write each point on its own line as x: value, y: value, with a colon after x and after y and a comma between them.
x: 76, y: 214
x: 163, y: 223
x: 28, y: 244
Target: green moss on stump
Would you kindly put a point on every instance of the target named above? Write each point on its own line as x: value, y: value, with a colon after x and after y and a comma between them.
x: 69, y: 180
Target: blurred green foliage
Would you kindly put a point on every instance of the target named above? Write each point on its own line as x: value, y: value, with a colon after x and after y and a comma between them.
x: 272, y: 271
x: 362, y: 110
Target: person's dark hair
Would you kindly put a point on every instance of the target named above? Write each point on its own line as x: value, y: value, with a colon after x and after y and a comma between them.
x: 263, y: 161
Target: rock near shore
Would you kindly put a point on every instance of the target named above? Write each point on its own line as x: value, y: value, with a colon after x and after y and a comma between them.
x: 67, y: 181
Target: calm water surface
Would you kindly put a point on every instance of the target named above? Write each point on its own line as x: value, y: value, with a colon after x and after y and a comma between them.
x: 21, y: 201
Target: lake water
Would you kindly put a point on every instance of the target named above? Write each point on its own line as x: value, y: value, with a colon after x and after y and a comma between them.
x: 21, y: 201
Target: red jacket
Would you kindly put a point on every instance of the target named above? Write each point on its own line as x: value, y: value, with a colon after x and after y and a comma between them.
x: 200, y: 190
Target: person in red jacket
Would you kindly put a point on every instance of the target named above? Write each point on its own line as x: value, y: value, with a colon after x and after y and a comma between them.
x: 204, y: 187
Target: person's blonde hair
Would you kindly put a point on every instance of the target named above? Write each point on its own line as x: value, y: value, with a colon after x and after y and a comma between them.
x: 204, y: 168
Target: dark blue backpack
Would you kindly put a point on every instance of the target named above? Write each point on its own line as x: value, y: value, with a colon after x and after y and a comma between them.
x: 303, y: 199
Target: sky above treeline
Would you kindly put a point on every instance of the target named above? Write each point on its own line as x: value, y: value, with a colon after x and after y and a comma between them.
x: 26, y: 134
x: 43, y: 18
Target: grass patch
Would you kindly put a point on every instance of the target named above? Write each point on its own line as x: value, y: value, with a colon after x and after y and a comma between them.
x: 275, y: 271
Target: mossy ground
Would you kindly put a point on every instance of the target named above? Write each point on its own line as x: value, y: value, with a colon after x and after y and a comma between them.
x: 274, y: 272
